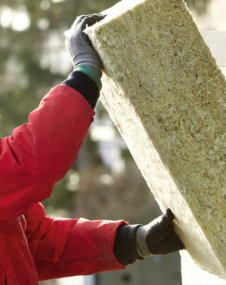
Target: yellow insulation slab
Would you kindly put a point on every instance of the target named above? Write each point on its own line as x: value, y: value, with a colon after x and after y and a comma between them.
x: 166, y: 95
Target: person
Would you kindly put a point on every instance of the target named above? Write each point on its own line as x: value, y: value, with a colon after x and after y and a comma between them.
x: 37, y: 247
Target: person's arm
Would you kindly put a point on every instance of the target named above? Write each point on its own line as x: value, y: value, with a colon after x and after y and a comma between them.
x: 67, y: 247
x: 40, y: 152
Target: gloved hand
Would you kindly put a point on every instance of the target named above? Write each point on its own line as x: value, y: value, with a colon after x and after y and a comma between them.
x: 158, y: 237
x: 79, y: 45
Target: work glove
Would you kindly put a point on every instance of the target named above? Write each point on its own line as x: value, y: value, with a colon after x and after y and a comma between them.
x: 78, y: 44
x: 158, y: 237
x: 135, y: 242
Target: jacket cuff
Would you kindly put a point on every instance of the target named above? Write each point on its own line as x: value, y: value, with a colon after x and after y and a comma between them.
x: 125, y: 247
x: 83, y: 84
x: 91, y: 72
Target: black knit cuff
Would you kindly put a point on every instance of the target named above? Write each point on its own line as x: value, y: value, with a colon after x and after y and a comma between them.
x: 125, y: 247
x: 84, y: 85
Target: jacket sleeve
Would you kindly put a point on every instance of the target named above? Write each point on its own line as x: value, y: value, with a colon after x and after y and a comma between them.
x: 40, y: 152
x: 66, y: 247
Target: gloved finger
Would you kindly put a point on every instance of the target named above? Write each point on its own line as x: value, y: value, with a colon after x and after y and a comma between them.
x: 79, y: 19
x: 169, y: 245
x: 68, y: 33
x: 95, y: 18
x: 91, y: 19
x: 164, y: 223
x: 164, y: 227
x: 168, y: 217
x: 75, y: 25
x: 175, y: 244
x: 169, y: 214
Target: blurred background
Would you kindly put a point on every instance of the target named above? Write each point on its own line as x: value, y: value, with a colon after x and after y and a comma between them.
x: 104, y: 183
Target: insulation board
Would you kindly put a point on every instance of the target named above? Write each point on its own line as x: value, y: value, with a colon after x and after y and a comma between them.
x: 165, y: 93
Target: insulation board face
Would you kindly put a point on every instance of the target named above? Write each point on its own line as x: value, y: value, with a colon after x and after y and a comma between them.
x: 166, y: 95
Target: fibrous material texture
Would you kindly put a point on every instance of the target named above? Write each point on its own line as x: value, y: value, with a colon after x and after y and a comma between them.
x: 166, y: 95
x: 194, y: 275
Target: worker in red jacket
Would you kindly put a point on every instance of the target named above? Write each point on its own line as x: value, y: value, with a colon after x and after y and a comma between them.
x: 34, y: 246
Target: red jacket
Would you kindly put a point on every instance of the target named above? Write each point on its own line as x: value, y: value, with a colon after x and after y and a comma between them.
x: 34, y: 246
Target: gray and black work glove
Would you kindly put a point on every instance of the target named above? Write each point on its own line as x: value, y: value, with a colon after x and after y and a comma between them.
x: 135, y: 242
x: 158, y: 237
x: 79, y: 45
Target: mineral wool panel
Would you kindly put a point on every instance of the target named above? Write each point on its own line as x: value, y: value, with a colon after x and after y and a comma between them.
x: 166, y: 95
x: 193, y: 275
